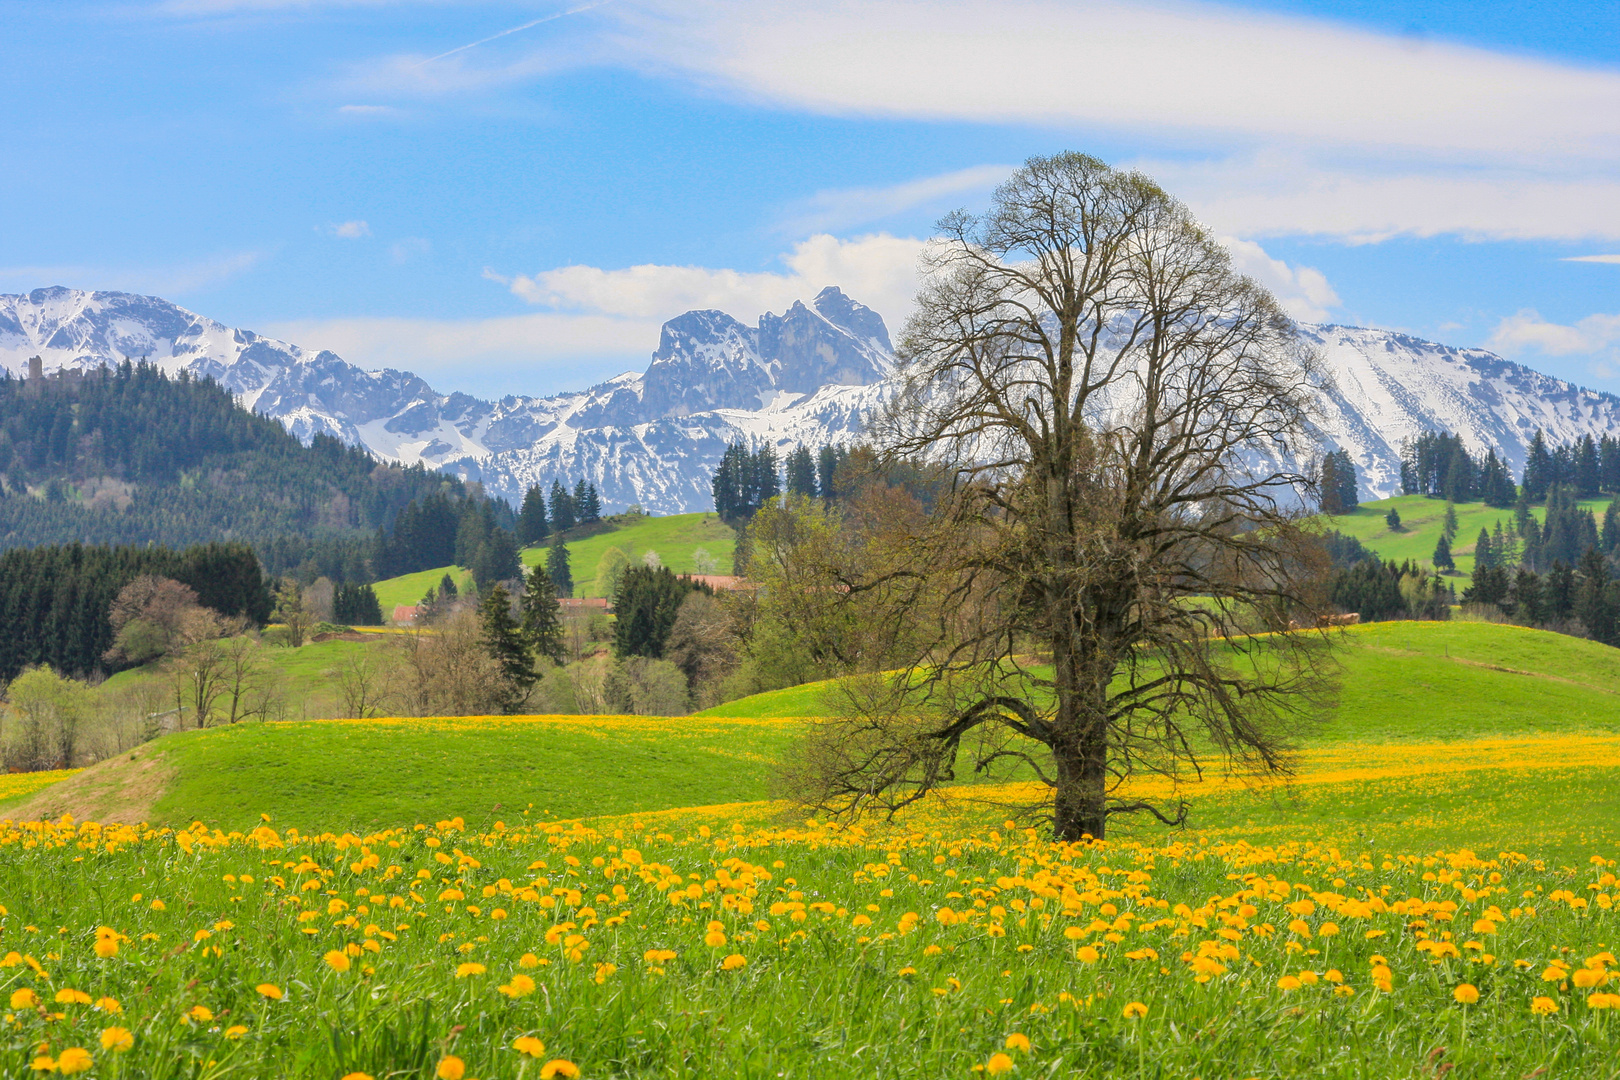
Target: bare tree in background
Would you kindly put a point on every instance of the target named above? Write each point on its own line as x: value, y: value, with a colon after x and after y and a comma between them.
x: 1113, y: 398
x: 364, y: 681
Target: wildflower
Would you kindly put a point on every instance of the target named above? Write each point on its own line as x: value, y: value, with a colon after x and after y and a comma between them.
x: 714, y: 939
x: 998, y: 1064
x: 236, y: 1031
x: 451, y: 1068
x: 106, y: 947
x: 1466, y: 994
x: 109, y: 1005
x: 1134, y: 1010
x: 605, y: 970
x: 200, y: 1013
x: 529, y: 1046
x: 1383, y: 978
x: 1543, y: 1006
x: 1017, y: 1041
x: 357, y: 1076
x: 1086, y: 954
x: 529, y: 960
x: 734, y: 962
x: 906, y: 972
x: 1287, y: 983
x: 270, y: 990
x: 75, y: 1059
x: 44, y: 1063
x: 72, y: 997
x: 557, y: 1067
x: 1587, y: 978
x: 1603, y: 1001
x: 24, y: 999
x: 117, y: 1039
x: 1327, y: 929
x: 520, y: 986
x: 337, y: 961
x: 464, y: 970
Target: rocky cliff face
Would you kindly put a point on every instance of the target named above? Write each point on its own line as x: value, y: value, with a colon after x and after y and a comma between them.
x: 806, y: 376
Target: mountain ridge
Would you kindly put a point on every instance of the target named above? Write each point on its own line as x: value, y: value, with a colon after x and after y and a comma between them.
x: 807, y: 376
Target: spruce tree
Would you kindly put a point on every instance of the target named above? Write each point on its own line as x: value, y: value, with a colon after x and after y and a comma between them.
x: 542, y: 621
x: 563, y: 516
x: 557, y: 568
x: 503, y: 640
x: 590, y: 509
x: 1442, y: 555
x: 1484, y: 551
x: 1393, y: 520
x: 1449, y: 529
x: 532, y: 525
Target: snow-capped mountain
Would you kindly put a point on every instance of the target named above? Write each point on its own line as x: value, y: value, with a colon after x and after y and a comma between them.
x: 806, y: 376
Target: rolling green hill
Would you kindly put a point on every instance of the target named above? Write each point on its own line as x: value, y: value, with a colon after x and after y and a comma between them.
x: 1421, y: 521
x: 676, y: 539
x: 1407, y: 686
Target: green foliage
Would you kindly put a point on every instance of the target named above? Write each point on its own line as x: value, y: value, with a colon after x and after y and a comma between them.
x: 1340, y: 491
x: 645, y: 607
x: 532, y: 523
x: 503, y: 637
x: 356, y: 605
x: 542, y: 624
x: 54, y: 601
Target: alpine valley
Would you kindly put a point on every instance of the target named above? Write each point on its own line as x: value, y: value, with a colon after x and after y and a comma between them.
x: 807, y: 376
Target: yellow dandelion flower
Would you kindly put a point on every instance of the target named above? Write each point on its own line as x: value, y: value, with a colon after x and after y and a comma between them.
x: 1287, y: 983
x: 357, y: 1076
x: 529, y: 1046
x: 557, y: 1067
x: 520, y: 986
x: 714, y: 939
x: 107, y: 947
x: 109, y: 1005
x: 1543, y: 1006
x: 200, y: 1013
x: 529, y: 960
x: 236, y: 1031
x: 117, y: 1039
x: 1087, y: 954
x: 270, y: 990
x: 451, y: 1068
x: 1466, y: 994
x: 337, y: 960
x: 734, y: 962
x: 1134, y: 1010
x: 24, y: 999
x: 1017, y: 1041
x: 998, y: 1064
x: 75, y: 1059
x: 464, y: 970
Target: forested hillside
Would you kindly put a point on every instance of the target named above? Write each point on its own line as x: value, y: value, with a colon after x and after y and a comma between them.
x: 128, y: 455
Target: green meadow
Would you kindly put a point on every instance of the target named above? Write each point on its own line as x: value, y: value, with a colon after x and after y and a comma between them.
x: 1422, y: 520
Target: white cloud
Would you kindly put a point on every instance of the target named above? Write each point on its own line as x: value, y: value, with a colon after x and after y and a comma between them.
x: 351, y: 230
x: 1197, y: 70
x: 1272, y: 194
x: 1527, y: 331
x: 879, y: 271
x: 411, y: 247
x: 843, y: 208
x: 1303, y: 291
x: 1594, y: 258
x: 531, y: 354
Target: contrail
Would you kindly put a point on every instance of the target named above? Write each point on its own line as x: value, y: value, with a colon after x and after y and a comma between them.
x: 513, y: 30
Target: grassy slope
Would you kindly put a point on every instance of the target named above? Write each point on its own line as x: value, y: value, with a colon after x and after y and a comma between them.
x: 674, y: 538
x: 301, y: 673
x: 1421, y: 520
x: 1405, y: 685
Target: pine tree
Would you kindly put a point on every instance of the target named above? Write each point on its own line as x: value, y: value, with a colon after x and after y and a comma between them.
x: 1442, y: 554
x: 1538, y: 468
x: 503, y: 640
x: 447, y: 588
x: 557, y: 568
x: 590, y: 510
x: 801, y: 473
x: 532, y: 525
x: 1484, y: 555
x: 1392, y: 520
x: 827, y: 463
x: 542, y: 621
x: 1449, y: 529
x: 563, y: 517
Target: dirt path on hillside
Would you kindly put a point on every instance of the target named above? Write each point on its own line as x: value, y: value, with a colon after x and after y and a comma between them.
x: 122, y: 789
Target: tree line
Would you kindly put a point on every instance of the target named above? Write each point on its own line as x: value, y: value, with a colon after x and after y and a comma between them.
x: 56, y: 601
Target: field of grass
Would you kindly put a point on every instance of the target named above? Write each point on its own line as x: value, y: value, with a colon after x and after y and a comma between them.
x: 302, y: 674
x: 1435, y: 886
x: 676, y: 539
x: 1421, y: 521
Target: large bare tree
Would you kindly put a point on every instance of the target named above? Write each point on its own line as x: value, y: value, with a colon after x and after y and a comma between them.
x: 1121, y: 409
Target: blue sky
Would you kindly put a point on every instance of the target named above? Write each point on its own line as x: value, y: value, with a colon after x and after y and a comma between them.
x: 520, y: 215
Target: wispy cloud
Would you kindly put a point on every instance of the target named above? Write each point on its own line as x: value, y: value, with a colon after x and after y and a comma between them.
x: 539, y: 353
x: 1593, y: 258
x: 531, y: 24
x: 165, y: 281
x: 1303, y: 291
x: 1596, y: 338
x: 843, y: 208
x: 1204, y: 72
x: 351, y: 230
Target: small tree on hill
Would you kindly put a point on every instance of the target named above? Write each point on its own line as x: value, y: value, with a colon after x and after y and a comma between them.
x: 503, y: 639
x: 1442, y: 555
x: 542, y: 621
x: 1449, y: 529
x: 557, y: 566
x: 1393, y: 520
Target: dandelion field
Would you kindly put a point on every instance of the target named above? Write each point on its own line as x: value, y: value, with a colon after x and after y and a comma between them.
x: 800, y: 952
